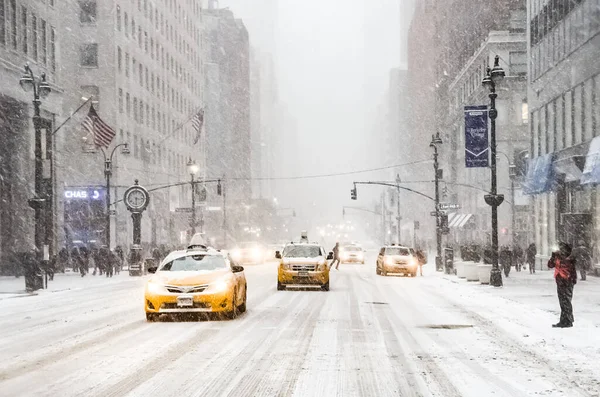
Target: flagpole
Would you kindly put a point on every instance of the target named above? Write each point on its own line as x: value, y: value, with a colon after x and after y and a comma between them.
x: 71, y: 116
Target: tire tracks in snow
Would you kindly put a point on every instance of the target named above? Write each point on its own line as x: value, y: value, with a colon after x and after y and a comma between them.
x: 401, y: 342
x: 175, y: 353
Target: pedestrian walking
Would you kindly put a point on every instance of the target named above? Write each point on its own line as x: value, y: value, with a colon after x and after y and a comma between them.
x: 505, y: 258
x: 120, y: 256
x: 530, y: 254
x: 64, y: 260
x: 565, y: 275
x: 583, y: 258
x: 105, y: 261
x: 50, y: 267
x: 336, y: 256
x: 518, y: 257
x: 421, y: 260
x: 84, y: 261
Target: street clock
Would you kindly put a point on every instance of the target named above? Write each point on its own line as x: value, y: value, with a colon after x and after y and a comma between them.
x: 136, y: 198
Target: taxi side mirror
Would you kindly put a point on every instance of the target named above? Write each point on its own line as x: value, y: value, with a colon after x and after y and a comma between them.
x: 277, y: 255
x: 152, y: 269
x: 330, y: 256
x: 237, y: 269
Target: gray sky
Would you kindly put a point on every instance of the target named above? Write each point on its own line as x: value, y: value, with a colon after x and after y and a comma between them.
x: 333, y: 61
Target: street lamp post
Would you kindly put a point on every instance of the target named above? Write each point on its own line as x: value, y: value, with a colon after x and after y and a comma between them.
x: 435, y: 142
x: 494, y: 76
x: 193, y: 169
x: 40, y: 89
x: 399, y: 218
x: 108, y: 167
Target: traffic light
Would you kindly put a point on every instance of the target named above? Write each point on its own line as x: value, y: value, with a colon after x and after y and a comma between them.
x: 353, y: 195
x: 444, y: 221
x: 219, y: 189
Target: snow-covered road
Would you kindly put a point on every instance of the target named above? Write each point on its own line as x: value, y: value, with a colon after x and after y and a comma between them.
x: 368, y: 336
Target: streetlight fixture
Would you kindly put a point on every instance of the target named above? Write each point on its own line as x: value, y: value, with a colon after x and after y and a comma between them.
x: 108, y: 170
x: 493, y: 77
x: 41, y: 200
x: 435, y: 142
x: 193, y: 169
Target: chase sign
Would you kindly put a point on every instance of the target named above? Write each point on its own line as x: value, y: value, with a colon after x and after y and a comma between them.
x: 90, y: 193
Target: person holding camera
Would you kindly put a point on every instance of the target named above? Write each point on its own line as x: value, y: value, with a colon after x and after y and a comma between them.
x: 565, y: 275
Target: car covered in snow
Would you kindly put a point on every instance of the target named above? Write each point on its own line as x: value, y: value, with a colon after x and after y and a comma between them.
x: 250, y: 252
x: 196, y: 280
x: 352, y: 253
x: 303, y: 265
x: 396, y: 259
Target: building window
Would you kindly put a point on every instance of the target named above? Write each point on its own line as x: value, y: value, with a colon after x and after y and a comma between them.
x: 120, y: 100
x: 128, y: 104
x: 87, y: 12
x: 43, y: 39
x: 24, y: 37
x: 2, y: 23
x: 12, y: 4
x: 34, y: 38
x: 119, y: 18
x: 89, y: 55
x: 577, y: 114
x: 524, y: 112
x: 119, y: 59
x: 127, y: 64
x: 126, y: 24
x: 52, y: 49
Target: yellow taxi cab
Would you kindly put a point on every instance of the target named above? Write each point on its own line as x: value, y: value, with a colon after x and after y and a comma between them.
x: 196, y: 280
x: 396, y: 259
x: 303, y: 265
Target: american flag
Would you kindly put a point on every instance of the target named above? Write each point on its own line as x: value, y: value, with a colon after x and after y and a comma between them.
x: 102, y: 133
x: 197, y: 123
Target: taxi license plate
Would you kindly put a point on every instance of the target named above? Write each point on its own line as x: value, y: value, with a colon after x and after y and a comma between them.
x: 303, y: 273
x: 185, y: 301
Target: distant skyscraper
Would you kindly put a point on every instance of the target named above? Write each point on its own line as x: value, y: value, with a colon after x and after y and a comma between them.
x: 407, y: 8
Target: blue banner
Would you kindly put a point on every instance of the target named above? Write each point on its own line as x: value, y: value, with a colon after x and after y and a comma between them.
x: 476, y: 136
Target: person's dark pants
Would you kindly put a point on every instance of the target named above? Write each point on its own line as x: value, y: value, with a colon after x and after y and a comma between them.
x: 583, y: 274
x: 506, y: 270
x: 565, y: 295
x: 334, y: 261
x: 532, y: 267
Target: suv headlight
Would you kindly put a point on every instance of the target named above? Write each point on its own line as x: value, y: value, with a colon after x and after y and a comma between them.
x: 219, y: 285
x: 389, y: 261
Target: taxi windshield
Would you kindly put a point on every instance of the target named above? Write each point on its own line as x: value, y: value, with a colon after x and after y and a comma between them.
x: 194, y: 263
x: 397, y: 251
x: 352, y: 248
x: 301, y: 251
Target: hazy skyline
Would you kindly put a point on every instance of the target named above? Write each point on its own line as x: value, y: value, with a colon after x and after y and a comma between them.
x: 332, y: 64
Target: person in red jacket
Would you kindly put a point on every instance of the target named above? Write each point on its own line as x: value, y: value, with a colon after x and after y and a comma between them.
x: 565, y: 275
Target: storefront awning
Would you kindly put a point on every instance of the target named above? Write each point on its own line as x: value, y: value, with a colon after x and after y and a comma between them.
x: 540, y: 175
x: 569, y: 162
x: 591, y: 170
x: 458, y: 220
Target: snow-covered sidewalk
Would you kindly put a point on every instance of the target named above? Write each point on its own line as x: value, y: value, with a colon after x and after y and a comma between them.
x: 522, y: 312
x: 11, y: 287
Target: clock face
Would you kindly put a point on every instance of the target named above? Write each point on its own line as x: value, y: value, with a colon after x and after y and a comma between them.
x: 136, y: 198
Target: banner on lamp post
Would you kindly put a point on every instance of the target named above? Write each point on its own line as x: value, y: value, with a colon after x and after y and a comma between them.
x: 476, y: 136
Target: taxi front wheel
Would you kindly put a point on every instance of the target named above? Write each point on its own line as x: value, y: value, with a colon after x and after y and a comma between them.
x: 325, y: 287
x: 280, y: 287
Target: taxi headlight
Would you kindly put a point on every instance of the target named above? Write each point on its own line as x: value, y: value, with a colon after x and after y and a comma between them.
x: 286, y: 266
x: 219, y: 286
x: 236, y: 253
x: 155, y: 288
x: 256, y: 252
x: 322, y: 266
x: 389, y: 261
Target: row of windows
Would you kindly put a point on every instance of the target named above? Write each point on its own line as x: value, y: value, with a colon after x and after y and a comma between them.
x: 151, y: 44
x: 572, y: 32
x: 517, y: 67
x: 155, y: 85
x: 151, y: 116
x: 182, y: 74
x: 152, y: 152
x: 22, y: 30
x: 569, y: 119
x: 546, y: 16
